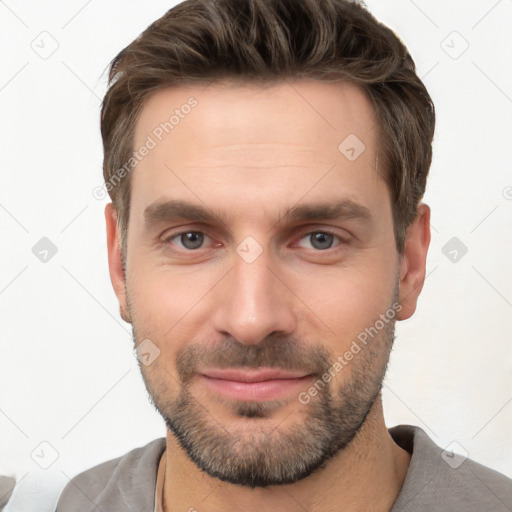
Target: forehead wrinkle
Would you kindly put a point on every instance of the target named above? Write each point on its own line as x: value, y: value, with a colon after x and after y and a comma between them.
x: 256, y: 155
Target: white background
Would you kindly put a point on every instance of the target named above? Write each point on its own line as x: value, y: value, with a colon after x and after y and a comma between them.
x: 68, y: 376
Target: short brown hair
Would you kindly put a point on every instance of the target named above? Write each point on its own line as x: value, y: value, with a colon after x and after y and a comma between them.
x: 268, y: 41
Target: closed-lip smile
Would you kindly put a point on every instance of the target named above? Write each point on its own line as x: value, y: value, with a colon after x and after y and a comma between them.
x: 256, y: 384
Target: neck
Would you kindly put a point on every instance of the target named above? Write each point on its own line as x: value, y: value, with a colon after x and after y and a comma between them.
x: 367, y: 475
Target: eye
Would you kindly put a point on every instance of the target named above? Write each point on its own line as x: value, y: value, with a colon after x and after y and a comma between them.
x: 189, y: 240
x: 319, y: 240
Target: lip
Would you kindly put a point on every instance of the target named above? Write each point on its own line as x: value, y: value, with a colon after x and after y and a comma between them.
x: 251, y: 374
x: 256, y: 385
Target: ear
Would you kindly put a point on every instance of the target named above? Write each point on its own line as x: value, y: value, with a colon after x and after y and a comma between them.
x: 413, y: 262
x: 115, y: 262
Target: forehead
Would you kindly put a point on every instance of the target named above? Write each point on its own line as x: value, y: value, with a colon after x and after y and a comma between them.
x: 283, y: 137
x: 250, y: 113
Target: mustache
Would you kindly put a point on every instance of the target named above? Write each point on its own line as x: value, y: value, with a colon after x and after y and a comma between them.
x: 272, y: 352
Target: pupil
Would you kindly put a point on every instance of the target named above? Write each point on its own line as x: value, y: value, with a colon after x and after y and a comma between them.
x: 192, y: 240
x: 321, y: 240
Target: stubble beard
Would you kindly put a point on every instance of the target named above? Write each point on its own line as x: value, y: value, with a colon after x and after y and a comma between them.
x: 266, y: 453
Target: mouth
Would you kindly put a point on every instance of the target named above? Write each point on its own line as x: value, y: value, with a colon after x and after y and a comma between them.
x: 256, y: 385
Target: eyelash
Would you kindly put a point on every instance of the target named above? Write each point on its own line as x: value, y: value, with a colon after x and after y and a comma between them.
x: 302, y: 235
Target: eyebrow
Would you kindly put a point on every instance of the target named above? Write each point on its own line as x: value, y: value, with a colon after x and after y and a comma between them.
x: 344, y: 208
x: 174, y: 210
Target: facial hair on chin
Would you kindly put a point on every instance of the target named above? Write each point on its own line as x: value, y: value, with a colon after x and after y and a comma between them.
x: 265, y: 456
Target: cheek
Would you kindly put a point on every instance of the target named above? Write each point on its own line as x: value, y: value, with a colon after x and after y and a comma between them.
x: 341, y: 302
x: 168, y: 304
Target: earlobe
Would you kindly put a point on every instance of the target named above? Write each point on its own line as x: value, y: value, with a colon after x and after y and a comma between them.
x: 115, y: 263
x: 413, y: 262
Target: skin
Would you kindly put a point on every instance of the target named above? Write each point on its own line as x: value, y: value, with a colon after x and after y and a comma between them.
x: 250, y: 154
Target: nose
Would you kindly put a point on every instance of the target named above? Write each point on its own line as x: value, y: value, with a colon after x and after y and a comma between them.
x: 253, y: 303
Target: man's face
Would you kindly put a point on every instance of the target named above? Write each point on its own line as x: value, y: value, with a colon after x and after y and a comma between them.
x: 257, y: 243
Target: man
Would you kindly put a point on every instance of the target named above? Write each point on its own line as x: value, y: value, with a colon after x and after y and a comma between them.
x: 266, y: 161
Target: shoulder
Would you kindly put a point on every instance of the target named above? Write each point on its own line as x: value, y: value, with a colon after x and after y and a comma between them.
x: 115, y: 482
x: 438, y: 479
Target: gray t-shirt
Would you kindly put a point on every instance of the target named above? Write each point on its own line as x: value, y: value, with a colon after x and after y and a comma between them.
x: 435, y: 482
